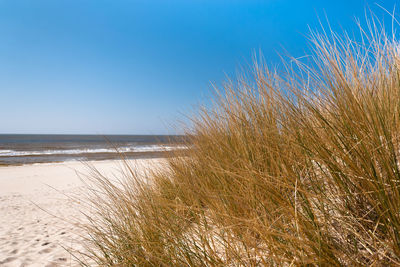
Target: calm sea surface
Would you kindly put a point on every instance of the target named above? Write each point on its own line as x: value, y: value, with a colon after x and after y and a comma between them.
x: 25, y: 149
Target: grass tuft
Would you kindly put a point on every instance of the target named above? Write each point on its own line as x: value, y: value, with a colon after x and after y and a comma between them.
x: 292, y: 169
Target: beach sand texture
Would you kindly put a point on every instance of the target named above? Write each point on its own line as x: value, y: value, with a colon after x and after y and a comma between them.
x: 37, y: 212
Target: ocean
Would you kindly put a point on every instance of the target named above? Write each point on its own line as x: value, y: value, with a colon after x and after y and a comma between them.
x: 17, y: 149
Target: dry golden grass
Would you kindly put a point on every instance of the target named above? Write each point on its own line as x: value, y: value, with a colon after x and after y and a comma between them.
x: 298, y: 169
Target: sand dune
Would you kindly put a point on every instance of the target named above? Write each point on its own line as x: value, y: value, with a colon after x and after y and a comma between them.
x: 37, y: 213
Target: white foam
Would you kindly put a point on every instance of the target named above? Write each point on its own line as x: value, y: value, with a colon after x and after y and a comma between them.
x: 148, y: 148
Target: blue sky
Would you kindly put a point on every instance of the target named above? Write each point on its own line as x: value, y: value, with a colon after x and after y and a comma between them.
x: 136, y: 67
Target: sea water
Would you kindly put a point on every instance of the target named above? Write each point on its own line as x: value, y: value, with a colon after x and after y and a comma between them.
x: 26, y: 148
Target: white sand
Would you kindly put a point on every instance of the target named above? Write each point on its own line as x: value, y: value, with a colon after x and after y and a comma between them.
x: 36, y: 212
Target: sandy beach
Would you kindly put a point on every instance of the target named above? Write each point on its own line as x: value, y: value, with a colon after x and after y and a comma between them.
x: 37, y: 212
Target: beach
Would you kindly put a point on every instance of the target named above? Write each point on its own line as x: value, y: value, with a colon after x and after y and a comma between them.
x: 40, y: 207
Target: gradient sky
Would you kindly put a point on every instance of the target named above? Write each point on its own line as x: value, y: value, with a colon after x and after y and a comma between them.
x: 135, y: 67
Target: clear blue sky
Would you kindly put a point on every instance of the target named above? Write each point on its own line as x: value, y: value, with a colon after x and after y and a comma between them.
x: 134, y: 67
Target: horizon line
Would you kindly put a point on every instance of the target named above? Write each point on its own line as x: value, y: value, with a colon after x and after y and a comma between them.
x: 85, y: 134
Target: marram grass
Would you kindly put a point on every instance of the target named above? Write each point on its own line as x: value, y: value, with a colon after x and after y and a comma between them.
x: 297, y: 169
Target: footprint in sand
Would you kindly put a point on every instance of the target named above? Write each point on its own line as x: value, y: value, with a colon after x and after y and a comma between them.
x: 7, y: 260
x: 46, y: 250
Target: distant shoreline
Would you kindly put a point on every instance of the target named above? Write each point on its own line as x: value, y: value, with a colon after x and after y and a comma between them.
x: 30, y: 149
x: 116, y: 157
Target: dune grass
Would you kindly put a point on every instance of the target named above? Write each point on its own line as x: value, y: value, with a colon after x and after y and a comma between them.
x: 299, y: 168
